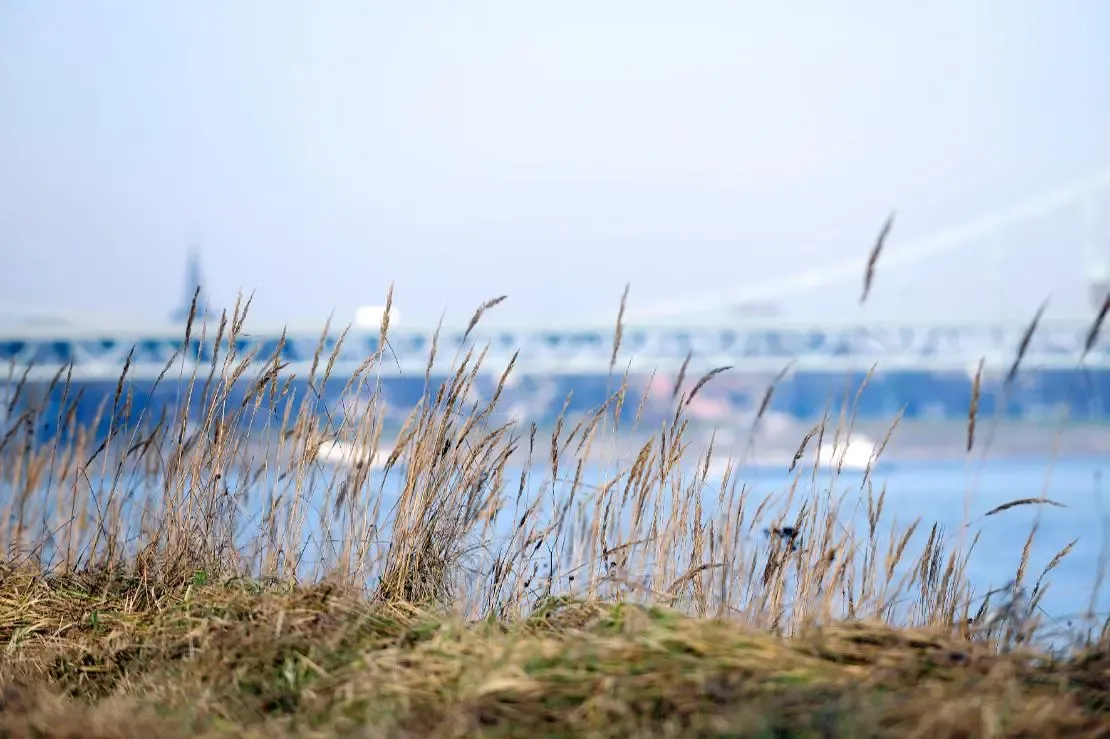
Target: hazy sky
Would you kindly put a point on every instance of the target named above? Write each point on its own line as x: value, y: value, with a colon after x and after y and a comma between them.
x: 552, y: 151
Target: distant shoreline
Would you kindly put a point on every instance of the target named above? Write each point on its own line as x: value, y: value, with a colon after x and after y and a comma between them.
x: 911, y: 441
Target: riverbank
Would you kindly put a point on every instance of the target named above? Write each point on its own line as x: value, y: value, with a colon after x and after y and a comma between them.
x: 115, y: 657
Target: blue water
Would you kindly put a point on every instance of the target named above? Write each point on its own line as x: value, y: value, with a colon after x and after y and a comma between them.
x: 937, y: 493
x: 801, y: 396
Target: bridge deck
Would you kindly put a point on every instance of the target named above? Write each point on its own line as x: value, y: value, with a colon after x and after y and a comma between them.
x: 923, y: 372
x: 101, y: 354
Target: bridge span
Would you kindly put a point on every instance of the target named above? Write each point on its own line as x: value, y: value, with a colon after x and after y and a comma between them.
x: 99, y: 355
x: 923, y: 371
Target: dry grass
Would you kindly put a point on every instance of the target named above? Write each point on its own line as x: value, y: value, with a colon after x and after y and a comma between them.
x: 202, y: 576
x: 239, y: 660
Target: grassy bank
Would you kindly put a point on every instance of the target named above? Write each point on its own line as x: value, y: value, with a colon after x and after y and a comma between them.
x: 125, y: 657
x: 171, y: 582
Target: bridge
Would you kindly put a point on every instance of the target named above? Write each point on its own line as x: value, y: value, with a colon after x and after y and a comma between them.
x: 99, y: 356
x: 665, y: 337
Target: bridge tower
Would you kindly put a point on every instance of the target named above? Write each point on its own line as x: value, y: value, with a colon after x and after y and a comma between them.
x: 1098, y: 281
x: 1096, y: 261
x: 194, y: 279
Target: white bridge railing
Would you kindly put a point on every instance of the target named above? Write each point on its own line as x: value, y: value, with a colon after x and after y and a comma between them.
x: 764, y: 347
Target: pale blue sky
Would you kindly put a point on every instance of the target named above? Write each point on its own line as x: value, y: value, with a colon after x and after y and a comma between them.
x: 550, y: 151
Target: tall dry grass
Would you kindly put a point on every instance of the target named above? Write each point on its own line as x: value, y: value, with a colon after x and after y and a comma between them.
x: 236, y: 491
